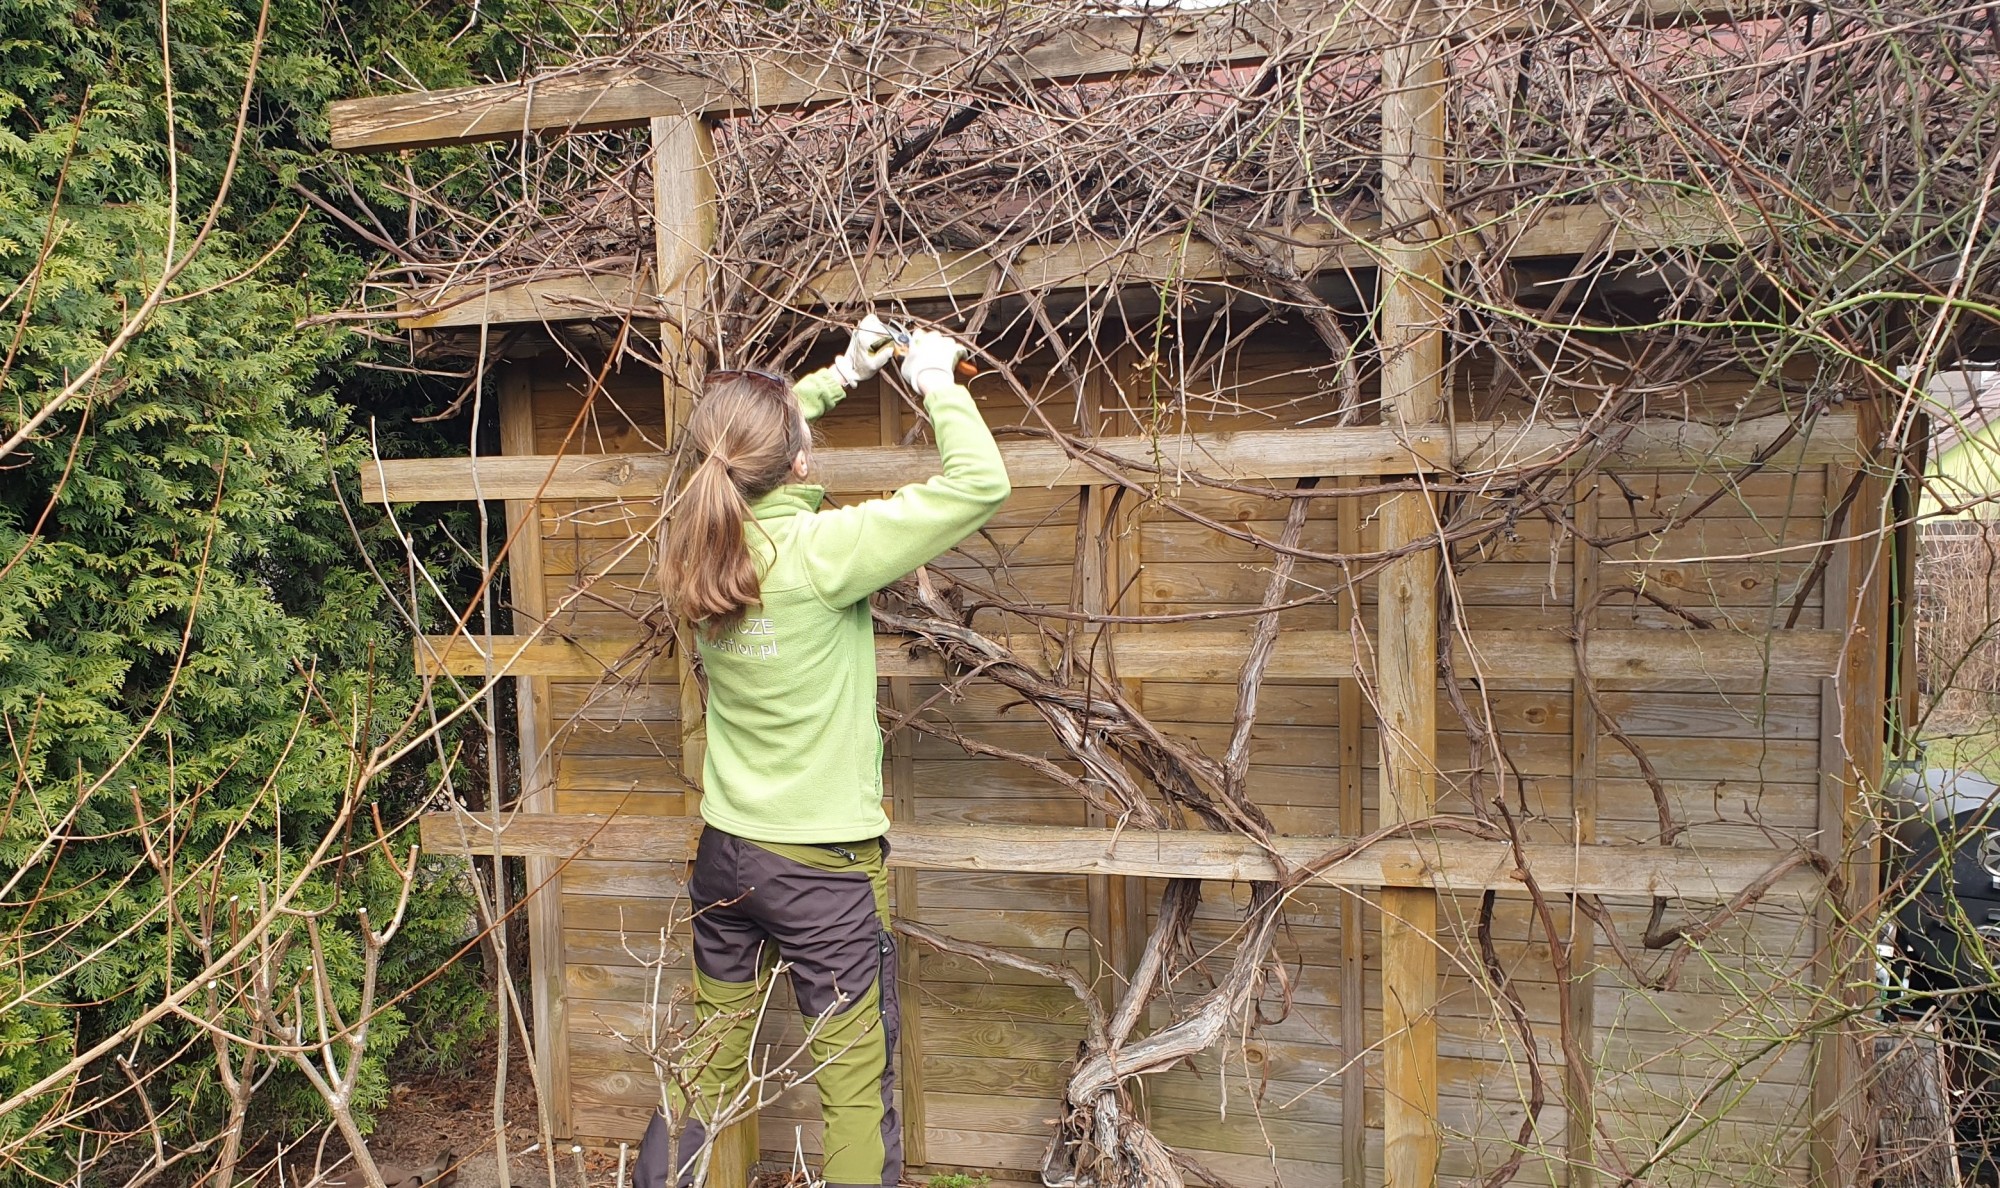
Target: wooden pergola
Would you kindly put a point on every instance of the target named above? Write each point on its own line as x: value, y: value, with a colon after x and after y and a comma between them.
x: 1413, y: 438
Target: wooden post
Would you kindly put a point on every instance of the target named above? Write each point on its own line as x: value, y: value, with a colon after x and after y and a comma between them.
x: 1911, y: 1107
x: 1094, y: 562
x: 528, y: 591
x: 1582, y: 1016
x: 902, y: 777
x: 1117, y: 904
x: 1353, y: 917
x: 1853, y: 717
x: 1108, y: 546
x: 1830, y: 1074
x: 1090, y: 593
x: 683, y: 233
x: 1410, y: 333
x: 1130, y: 898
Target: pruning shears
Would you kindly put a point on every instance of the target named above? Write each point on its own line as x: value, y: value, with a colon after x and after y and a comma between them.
x: 900, y: 335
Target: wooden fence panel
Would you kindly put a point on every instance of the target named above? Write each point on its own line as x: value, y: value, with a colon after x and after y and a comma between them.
x: 1738, y: 756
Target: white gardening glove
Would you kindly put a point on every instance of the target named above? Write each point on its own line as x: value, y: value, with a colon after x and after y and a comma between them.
x: 868, y: 351
x: 931, y: 362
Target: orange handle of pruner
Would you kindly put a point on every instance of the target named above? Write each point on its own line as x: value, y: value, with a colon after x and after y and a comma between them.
x: 966, y: 369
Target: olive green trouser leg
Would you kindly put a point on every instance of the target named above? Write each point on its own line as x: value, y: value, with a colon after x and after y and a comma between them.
x: 850, y: 1050
x: 852, y: 1053
x: 726, y: 1014
x: 823, y: 910
x: 726, y: 1018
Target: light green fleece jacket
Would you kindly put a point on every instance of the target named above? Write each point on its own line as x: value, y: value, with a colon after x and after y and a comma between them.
x: 794, y: 750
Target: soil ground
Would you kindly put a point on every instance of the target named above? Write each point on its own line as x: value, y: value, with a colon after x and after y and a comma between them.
x: 432, y: 1114
x: 435, y: 1114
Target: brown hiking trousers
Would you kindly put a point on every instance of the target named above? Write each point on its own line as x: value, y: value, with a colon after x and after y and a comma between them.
x: 822, y: 909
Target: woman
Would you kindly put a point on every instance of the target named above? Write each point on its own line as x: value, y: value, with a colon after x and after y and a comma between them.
x: 792, y: 859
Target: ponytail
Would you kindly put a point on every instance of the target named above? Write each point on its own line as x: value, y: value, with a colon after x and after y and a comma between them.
x: 747, y: 429
x: 706, y: 552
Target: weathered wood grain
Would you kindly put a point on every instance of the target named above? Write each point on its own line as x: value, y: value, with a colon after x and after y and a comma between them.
x: 1469, y: 450
x: 1908, y: 1093
x: 1199, y: 655
x: 900, y: 789
x: 1265, y: 453
x: 1349, y: 711
x: 1580, y: 1016
x: 571, y: 298
x: 629, y: 803
x: 1854, y: 747
x: 601, y: 95
x: 616, y: 95
x: 1311, y: 247
x: 535, y: 725
x: 1411, y: 329
x: 1444, y: 863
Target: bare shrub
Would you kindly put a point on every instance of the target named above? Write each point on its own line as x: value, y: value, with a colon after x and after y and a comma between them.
x: 1958, y: 624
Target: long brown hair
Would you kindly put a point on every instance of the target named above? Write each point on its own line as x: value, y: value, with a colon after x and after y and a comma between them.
x: 746, y: 429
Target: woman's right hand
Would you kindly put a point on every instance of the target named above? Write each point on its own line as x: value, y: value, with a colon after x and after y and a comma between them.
x: 931, y: 361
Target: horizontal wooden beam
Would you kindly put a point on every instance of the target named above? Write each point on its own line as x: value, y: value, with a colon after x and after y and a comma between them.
x: 535, y: 300
x: 1214, y: 655
x: 1531, y: 232
x: 1446, y: 862
x: 1270, y: 453
x: 1468, y: 450
x: 597, y: 95
x: 592, y: 96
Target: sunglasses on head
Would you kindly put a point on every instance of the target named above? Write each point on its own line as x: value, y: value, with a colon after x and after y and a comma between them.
x: 730, y: 373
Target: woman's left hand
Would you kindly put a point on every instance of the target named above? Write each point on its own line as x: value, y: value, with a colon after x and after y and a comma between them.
x: 869, y: 349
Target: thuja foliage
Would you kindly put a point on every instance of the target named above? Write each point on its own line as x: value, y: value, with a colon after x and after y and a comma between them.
x: 193, y: 650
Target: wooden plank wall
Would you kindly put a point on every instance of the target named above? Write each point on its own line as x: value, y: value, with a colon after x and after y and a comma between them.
x: 1740, y: 763
x: 617, y: 744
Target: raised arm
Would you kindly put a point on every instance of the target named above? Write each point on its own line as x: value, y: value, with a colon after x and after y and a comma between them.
x: 868, y: 348
x: 851, y: 552
x: 818, y: 392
